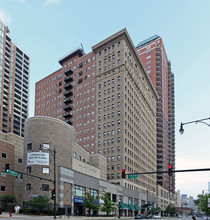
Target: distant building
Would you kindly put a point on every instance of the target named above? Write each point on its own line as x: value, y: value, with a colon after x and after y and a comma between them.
x: 183, y: 197
x: 14, y: 84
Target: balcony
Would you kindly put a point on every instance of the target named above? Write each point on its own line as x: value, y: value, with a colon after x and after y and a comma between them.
x: 67, y: 115
x: 68, y: 79
x: 68, y: 100
x: 68, y: 72
x: 68, y: 93
x: 68, y: 107
x: 68, y: 86
x: 69, y: 121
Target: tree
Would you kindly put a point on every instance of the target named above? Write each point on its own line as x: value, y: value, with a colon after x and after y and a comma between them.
x: 8, y: 201
x: 108, y: 206
x: 90, y: 202
x: 172, y: 211
x: 202, y: 203
x: 155, y: 210
x: 40, y: 203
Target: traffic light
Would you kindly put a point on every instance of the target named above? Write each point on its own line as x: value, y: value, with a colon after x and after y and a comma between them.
x: 169, y: 170
x: 52, y: 194
x: 123, y: 173
x: 6, y: 167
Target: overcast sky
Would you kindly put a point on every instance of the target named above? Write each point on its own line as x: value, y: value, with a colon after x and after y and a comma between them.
x: 48, y: 29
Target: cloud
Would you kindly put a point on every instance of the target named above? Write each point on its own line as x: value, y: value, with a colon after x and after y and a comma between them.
x: 192, y: 183
x: 50, y: 2
x: 4, y: 17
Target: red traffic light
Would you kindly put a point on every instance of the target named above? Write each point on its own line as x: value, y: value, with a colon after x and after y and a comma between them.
x: 123, y: 174
x: 169, y: 170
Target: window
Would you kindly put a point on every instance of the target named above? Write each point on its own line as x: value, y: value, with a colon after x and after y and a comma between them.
x: 75, y: 154
x: 28, y: 186
x: 45, y: 170
x: 28, y: 170
x: 79, y: 191
x: 45, y: 187
x: 119, y: 44
x: 20, y: 160
x: 118, y: 157
x: 29, y: 146
x: 3, y: 155
x: 148, y: 57
x: 149, y: 66
x: 3, y: 188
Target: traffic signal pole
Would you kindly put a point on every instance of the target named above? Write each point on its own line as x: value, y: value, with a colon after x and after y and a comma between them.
x: 172, y: 171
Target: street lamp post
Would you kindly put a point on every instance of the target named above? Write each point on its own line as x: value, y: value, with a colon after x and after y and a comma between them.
x: 54, y: 181
x: 181, y: 130
x: 119, y: 209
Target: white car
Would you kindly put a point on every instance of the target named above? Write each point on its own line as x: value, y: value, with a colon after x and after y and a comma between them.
x: 157, y: 216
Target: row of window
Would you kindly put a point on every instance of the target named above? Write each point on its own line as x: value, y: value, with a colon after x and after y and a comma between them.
x: 109, y: 58
x: 109, y: 49
x: 108, y: 141
x: 107, y: 83
x: 108, y: 133
x: 108, y: 124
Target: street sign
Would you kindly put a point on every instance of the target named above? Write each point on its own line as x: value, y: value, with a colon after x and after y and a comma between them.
x: 11, y: 172
x: 132, y: 176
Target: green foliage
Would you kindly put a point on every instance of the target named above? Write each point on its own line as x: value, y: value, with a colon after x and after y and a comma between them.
x: 172, y: 211
x: 108, y: 205
x: 8, y: 202
x: 39, y: 203
x: 90, y: 202
x: 202, y: 203
x: 154, y: 211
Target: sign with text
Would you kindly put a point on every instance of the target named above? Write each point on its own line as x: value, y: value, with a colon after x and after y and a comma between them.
x: 132, y: 176
x: 38, y: 158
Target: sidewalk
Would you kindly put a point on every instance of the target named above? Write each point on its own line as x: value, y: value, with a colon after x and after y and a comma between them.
x: 19, y: 216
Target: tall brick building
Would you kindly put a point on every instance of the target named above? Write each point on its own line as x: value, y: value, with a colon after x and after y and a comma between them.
x: 14, y: 84
x: 158, y: 67
x: 108, y: 98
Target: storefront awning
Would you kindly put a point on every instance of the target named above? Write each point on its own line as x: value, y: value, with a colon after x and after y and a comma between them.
x: 123, y: 206
x: 137, y: 208
x: 131, y: 207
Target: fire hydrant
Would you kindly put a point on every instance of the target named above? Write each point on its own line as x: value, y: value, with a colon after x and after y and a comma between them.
x: 10, y: 214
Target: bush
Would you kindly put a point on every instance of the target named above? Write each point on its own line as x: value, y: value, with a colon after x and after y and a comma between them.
x: 35, y: 212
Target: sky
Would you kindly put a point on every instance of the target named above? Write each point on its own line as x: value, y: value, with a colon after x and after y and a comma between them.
x: 47, y: 30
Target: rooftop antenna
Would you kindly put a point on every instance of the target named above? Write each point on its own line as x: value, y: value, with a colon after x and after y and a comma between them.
x: 82, y: 47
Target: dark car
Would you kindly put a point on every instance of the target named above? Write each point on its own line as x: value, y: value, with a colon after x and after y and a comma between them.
x: 139, y: 216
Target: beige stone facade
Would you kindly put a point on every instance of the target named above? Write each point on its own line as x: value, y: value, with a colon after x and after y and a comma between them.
x: 126, y: 113
x: 165, y: 198
x: 56, y: 134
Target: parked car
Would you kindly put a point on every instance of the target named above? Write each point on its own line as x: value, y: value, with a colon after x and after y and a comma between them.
x: 157, y: 216
x: 139, y: 216
x: 149, y: 216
